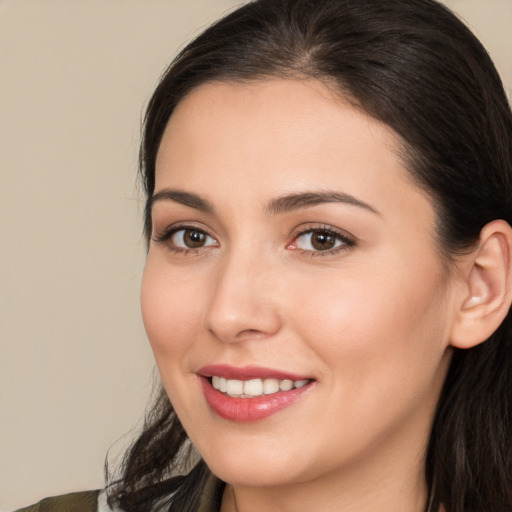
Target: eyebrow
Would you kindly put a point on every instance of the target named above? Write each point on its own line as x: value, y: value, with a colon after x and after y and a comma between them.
x: 181, y: 197
x: 299, y: 201
x: 283, y: 204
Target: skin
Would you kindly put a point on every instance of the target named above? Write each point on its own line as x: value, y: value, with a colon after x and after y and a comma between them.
x: 370, y: 321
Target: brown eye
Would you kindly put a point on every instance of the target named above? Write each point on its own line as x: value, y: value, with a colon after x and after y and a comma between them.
x: 187, y: 238
x: 322, y: 241
x: 194, y: 239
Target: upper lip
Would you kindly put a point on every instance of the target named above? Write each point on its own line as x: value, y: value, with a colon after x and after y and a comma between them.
x: 248, y: 372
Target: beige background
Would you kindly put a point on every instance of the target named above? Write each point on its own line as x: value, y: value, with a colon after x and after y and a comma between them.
x: 75, y: 368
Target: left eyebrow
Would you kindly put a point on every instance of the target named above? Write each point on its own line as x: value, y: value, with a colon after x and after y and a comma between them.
x: 302, y: 200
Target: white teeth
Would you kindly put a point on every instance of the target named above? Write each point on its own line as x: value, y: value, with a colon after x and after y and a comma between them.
x: 254, y: 387
x: 270, y: 386
x: 286, y: 385
x: 234, y: 387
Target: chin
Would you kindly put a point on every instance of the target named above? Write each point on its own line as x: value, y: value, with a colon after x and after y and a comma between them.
x: 245, y: 475
x: 256, y: 466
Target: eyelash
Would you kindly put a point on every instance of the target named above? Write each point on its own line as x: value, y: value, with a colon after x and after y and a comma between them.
x: 167, y: 234
x: 346, y: 241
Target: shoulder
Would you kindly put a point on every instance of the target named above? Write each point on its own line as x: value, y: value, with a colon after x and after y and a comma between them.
x: 75, y: 502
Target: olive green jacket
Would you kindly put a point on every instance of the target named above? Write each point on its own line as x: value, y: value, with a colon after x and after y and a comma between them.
x: 87, y: 501
x: 75, y: 502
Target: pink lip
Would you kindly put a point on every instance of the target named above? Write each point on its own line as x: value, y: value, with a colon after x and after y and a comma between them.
x: 248, y: 409
x: 247, y: 372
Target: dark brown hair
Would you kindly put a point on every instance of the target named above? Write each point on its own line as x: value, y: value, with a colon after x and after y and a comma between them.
x: 414, y: 66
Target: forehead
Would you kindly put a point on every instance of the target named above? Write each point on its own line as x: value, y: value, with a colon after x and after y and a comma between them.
x: 249, y: 111
x: 272, y: 137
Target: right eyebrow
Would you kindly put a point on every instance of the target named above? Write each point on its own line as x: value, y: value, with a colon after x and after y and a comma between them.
x: 181, y: 197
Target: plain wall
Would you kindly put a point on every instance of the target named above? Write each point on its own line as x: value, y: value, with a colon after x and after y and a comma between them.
x: 75, y: 367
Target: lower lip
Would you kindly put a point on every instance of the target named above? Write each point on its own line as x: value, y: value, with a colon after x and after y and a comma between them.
x: 249, y: 409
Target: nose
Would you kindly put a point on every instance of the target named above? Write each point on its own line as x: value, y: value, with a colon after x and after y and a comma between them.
x: 243, y: 302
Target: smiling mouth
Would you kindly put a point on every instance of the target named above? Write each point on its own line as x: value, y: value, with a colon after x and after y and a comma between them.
x: 255, y: 387
x: 251, y: 393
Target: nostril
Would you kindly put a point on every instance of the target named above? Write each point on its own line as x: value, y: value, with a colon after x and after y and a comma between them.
x: 253, y: 333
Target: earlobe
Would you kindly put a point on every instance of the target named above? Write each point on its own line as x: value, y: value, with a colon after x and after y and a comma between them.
x: 488, y: 287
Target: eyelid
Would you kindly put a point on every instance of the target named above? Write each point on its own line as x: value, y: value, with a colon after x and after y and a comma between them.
x: 164, y: 236
x: 347, y: 240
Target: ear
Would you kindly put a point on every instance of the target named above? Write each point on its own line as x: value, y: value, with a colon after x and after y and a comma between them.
x: 487, y: 292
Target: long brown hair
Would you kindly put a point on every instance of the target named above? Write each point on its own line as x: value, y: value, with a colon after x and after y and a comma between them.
x: 414, y: 66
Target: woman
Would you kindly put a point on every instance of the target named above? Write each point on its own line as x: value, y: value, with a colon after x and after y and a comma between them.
x: 328, y: 283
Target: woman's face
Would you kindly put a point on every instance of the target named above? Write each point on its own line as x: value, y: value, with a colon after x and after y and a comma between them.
x: 290, y: 250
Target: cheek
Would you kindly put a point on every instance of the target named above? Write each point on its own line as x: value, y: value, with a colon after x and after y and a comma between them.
x: 172, y: 314
x: 171, y: 311
x: 377, y: 324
